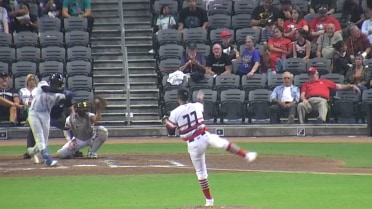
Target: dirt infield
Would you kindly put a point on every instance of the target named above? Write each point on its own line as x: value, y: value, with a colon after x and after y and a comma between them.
x: 125, y: 164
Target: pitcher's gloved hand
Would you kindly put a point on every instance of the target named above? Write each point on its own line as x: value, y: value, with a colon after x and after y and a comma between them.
x: 164, y: 120
x: 99, y: 104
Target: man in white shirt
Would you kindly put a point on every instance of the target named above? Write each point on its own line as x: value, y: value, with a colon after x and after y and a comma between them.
x: 284, y: 98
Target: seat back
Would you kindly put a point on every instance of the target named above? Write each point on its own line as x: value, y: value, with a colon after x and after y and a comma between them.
x: 258, y: 104
x: 19, y: 82
x: 219, y: 21
x: 274, y: 80
x: 51, y: 38
x: 55, y: 53
x: 49, y: 67
x: 242, y: 33
x: 76, y: 38
x: 169, y: 36
x: 6, y: 39
x: 209, y: 102
x: 80, y: 82
x: 294, y: 65
x: 323, y: 65
x: 170, y: 101
x: 227, y: 81
x: 300, y: 79
x: 75, y: 23
x: 169, y: 65
x: 4, y: 67
x: 171, y: 51
x: 219, y: 7
x: 205, y: 83
x: 79, y: 53
x: 346, y: 105
x: 232, y: 104
x: 82, y: 96
x: 258, y: 81
x: 214, y: 34
x: 241, y: 21
x: 7, y: 54
x: 335, y: 77
x: 28, y: 53
x: 47, y: 23
x: 203, y: 49
x: 23, y: 68
x: 196, y: 35
x: 26, y: 38
x: 245, y: 6
x: 78, y: 67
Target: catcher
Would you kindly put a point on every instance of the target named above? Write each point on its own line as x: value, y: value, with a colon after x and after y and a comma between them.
x: 81, y: 132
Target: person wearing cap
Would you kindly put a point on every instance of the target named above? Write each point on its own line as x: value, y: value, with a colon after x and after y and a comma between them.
x: 192, y: 17
x: 263, y: 13
x: 324, y: 44
x: 315, y: 94
x: 284, y: 98
x: 319, y: 24
x: 189, y: 120
x: 357, y: 42
x: 227, y: 46
x: 193, y: 61
x: 315, y: 5
x: 218, y: 62
x: 9, y: 94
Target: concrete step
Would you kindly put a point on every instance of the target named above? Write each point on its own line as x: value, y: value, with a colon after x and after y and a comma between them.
x: 139, y: 32
x: 119, y: 78
x: 97, y: 48
x: 121, y: 86
x: 133, y: 93
x: 134, y: 100
x: 137, y: 25
x: 119, y: 70
x: 106, y: 33
x: 107, y: 26
x: 144, y: 62
x: 137, y: 117
x: 143, y: 108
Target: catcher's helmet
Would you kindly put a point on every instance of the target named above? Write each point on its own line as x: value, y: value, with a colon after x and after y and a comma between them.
x: 56, y: 80
x: 81, y: 105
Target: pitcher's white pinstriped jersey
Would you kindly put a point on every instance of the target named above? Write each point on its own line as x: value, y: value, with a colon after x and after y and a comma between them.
x: 188, y: 118
x: 44, y: 101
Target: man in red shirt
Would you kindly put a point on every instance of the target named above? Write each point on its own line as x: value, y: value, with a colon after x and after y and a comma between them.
x: 319, y: 24
x: 315, y: 95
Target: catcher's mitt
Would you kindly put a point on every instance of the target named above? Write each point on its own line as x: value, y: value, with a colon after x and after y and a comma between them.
x: 99, y: 103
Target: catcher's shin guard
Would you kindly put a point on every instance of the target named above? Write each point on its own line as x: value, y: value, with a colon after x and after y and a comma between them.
x: 101, y: 136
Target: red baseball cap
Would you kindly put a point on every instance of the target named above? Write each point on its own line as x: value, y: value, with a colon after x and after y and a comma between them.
x: 312, y: 70
x: 225, y: 33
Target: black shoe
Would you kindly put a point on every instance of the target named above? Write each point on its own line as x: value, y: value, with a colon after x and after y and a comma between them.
x: 26, y: 156
x: 78, y: 154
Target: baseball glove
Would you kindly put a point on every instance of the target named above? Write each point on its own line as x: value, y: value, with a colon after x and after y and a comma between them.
x: 164, y: 120
x: 99, y: 104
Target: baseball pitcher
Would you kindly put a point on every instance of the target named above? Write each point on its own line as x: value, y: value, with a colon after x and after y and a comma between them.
x: 39, y: 115
x: 188, y: 118
x: 81, y: 132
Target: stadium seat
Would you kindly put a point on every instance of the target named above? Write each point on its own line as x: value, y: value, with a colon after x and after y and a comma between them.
x: 47, y: 24
x: 75, y: 23
x: 196, y: 35
x: 53, y: 53
x: 7, y: 54
x: 26, y: 38
x: 219, y: 21
x: 47, y: 68
x: 23, y: 68
x: 51, y: 38
x: 242, y: 33
x: 6, y: 39
x: 80, y: 82
x: 258, y: 104
x: 239, y: 21
x: 295, y: 66
x: 323, y: 65
x: 346, y: 105
x: 79, y: 53
x: 76, y: 38
x: 232, y: 105
x: 78, y: 67
x: 28, y: 53
x: 219, y: 7
x: 210, y: 112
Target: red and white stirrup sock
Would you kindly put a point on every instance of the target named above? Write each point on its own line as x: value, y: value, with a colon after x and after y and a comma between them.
x: 205, y: 188
x: 233, y: 148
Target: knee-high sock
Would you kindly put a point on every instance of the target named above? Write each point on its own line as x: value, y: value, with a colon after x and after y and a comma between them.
x: 233, y: 148
x: 205, y: 188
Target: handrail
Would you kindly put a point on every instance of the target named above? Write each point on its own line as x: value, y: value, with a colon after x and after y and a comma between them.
x: 125, y: 62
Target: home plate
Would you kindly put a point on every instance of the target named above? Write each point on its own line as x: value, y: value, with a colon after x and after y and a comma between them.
x: 85, y: 165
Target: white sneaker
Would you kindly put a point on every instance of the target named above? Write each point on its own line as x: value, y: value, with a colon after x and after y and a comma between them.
x: 35, y: 158
x: 151, y: 51
x: 33, y: 155
x: 251, y: 156
x: 209, y: 202
x: 92, y: 155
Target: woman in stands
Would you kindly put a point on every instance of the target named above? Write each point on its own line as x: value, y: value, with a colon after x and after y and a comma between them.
x: 359, y: 73
x: 292, y: 25
x: 25, y: 94
x: 249, y: 60
x: 302, y: 46
x: 280, y: 47
x: 341, y: 59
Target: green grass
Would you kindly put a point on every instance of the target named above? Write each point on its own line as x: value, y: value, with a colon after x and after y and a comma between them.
x: 261, y: 190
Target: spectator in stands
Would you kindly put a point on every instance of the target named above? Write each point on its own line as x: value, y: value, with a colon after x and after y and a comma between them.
x: 358, y: 74
x: 341, y: 59
x: 250, y: 59
x: 315, y: 94
x: 319, y: 24
x: 26, y: 96
x: 263, y: 13
x: 24, y: 20
x: 227, y: 46
x: 52, y: 8
x: 192, y: 61
x: 302, y: 46
x: 4, y: 19
x: 280, y: 48
x: 367, y: 26
x: 5, y: 4
x: 165, y: 21
x: 80, y: 8
x: 357, y: 42
x: 218, y: 62
x: 296, y: 22
x: 315, y: 5
x: 285, y: 12
x: 324, y: 44
x: 353, y: 12
x: 8, y: 93
x: 284, y: 98
x: 192, y: 17
x: 268, y: 31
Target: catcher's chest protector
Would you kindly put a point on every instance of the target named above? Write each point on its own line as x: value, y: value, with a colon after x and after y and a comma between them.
x: 81, y: 127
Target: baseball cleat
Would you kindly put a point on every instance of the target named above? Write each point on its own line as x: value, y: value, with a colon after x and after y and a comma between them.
x: 251, y: 156
x: 51, y: 163
x: 92, y: 155
x: 209, y: 202
x: 35, y: 158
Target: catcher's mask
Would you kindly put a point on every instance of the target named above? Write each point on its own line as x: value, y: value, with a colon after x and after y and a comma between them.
x: 81, y: 108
